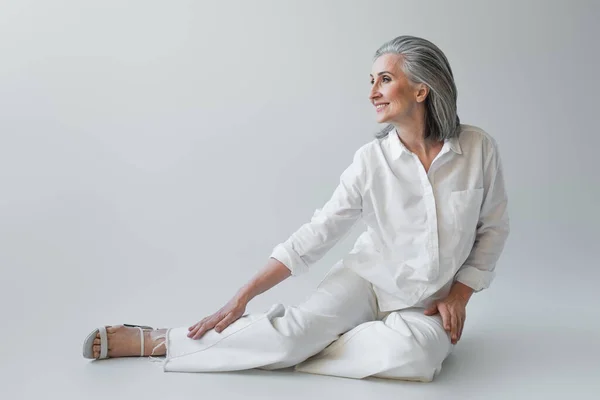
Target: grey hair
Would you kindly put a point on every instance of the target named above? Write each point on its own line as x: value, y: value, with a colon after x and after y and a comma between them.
x: 424, y: 62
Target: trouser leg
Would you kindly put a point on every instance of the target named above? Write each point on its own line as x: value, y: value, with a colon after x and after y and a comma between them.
x: 405, y: 345
x: 281, y: 337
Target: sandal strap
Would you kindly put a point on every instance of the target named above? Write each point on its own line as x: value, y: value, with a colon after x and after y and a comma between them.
x: 141, y: 341
x: 103, y: 342
x: 139, y: 326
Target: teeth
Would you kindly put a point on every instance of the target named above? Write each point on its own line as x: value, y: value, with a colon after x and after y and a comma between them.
x: 380, y: 106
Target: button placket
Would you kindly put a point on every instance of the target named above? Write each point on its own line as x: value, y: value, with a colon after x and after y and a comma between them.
x: 430, y: 208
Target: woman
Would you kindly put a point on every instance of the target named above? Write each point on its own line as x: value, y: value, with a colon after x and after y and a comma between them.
x: 432, y: 195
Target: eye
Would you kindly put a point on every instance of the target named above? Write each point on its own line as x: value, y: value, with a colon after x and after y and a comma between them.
x: 385, y: 79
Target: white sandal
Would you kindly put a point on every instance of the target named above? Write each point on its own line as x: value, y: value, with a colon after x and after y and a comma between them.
x: 88, y: 344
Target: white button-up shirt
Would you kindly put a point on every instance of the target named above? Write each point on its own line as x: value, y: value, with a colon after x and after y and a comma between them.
x: 424, y: 229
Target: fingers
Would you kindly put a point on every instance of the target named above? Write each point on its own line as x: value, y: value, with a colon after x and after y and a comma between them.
x: 453, y: 327
x: 203, y: 326
x: 197, y: 323
x: 445, y: 317
x: 218, y: 320
x: 201, y: 329
x: 431, y: 310
x: 225, y: 322
x: 461, y: 325
x: 453, y: 318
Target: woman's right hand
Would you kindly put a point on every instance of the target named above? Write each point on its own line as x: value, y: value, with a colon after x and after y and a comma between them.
x: 273, y: 273
x: 220, y: 320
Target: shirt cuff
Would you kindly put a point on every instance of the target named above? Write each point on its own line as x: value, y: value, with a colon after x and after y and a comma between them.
x: 475, y: 278
x: 290, y: 259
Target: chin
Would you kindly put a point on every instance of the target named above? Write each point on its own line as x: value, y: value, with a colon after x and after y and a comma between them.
x: 381, y: 119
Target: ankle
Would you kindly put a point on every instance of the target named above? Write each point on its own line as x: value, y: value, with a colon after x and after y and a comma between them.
x: 154, y: 342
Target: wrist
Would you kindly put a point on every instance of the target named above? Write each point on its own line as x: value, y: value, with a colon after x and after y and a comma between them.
x: 462, y: 291
x: 245, y: 294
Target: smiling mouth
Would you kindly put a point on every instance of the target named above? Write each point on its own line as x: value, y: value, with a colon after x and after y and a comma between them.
x: 381, y: 107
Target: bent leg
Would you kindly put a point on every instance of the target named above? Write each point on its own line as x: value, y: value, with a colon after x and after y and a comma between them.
x: 281, y: 337
x: 406, y: 345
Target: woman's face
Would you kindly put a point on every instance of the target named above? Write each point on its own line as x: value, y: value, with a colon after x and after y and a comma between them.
x: 395, y: 98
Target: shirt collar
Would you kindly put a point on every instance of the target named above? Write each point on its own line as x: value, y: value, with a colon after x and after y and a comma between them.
x: 397, y: 148
x: 455, y: 145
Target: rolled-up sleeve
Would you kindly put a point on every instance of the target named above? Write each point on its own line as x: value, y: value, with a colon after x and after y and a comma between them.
x: 328, y: 225
x: 478, y: 270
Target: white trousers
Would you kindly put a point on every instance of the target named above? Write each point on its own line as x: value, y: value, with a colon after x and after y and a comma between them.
x: 337, y: 331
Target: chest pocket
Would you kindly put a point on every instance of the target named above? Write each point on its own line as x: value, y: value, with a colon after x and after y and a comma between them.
x: 466, y: 207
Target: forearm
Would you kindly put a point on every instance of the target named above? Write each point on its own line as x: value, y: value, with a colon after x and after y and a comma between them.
x: 272, y: 274
x: 478, y: 270
x: 328, y: 225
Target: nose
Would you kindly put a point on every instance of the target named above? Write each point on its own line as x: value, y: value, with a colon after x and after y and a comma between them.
x: 374, y: 93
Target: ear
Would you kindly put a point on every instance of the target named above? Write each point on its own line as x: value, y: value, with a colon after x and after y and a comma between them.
x: 422, y: 91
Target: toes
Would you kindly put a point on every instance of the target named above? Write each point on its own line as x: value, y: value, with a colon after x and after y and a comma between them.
x: 97, y: 340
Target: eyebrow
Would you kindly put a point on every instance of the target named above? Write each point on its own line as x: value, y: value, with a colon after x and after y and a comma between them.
x: 383, y: 72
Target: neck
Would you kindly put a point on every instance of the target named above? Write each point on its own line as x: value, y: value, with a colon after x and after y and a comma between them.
x: 412, y: 135
x: 411, y: 131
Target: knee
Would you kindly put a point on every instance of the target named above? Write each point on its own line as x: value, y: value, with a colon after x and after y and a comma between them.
x: 425, y: 343
x: 415, y: 364
x: 431, y: 359
x: 296, y: 332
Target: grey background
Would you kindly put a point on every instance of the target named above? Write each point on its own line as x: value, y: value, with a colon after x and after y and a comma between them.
x: 153, y: 153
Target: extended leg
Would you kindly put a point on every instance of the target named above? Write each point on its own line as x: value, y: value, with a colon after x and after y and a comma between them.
x: 281, y: 337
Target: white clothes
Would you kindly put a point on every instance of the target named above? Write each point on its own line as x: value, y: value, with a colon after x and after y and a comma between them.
x: 425, y: 230
x: 337, y: 331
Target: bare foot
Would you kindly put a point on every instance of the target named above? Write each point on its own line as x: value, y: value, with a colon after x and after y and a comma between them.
x: 124, y: 341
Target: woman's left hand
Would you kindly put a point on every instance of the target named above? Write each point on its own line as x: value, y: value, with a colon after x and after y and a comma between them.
x: 453, y: 312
